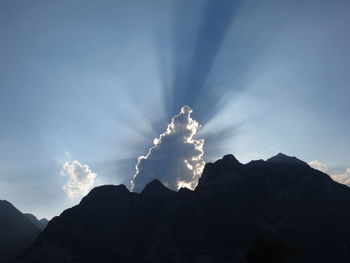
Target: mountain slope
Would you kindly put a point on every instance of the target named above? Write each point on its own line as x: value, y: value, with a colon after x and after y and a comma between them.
x: 16, y: 232
x: 41, y: 224
x: 237, y: 213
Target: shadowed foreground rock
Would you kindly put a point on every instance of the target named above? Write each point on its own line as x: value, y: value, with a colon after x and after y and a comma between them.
x: 294, y: 207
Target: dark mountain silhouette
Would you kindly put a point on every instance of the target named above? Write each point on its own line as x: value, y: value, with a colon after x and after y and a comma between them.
x: 17, y: 232
x: 41, y: 224
x: 279, y: 210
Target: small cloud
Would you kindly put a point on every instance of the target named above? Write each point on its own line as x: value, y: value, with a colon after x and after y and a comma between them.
x: 175, y: 159
x: 343, y: 178
x: 319, y: 166
x: 80, y: 179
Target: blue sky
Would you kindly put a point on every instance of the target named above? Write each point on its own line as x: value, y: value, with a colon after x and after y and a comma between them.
x: 97, y: 81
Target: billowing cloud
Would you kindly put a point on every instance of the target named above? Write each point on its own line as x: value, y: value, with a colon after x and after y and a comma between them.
x: 343, y: 178
x: 176, y: 159
x: 319, y: 166
x: 80, y: 179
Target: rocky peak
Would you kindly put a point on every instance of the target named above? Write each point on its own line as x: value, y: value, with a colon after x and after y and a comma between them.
x: 222, y: 170
x: 155, y: 187
x: 106, y: 193
x: 228, y: 161
x: 285, y: 159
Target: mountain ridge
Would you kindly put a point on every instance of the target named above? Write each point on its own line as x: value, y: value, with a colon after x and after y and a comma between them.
x: 282, y: 199
x: 41, y: 224
x: 17, y: 231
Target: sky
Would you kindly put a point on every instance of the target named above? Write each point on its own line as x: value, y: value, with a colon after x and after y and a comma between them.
x: 87, y: 86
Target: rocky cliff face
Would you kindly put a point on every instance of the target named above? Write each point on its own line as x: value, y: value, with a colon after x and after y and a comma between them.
x: 237, y: 213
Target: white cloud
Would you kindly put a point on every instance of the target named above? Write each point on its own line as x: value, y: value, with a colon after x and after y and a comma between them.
x: 176, y: 159
x: 343, y: 178
x: 80, y: 179
x: 319, y: 166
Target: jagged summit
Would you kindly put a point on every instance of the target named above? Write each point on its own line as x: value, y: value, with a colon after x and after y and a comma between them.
x: 229, y: 160
x: 285, y: 159
x: 109, y: 189
x: 155, y: 187
x: 106, y: 193
x: 222, y: 170
x: 6, y: 204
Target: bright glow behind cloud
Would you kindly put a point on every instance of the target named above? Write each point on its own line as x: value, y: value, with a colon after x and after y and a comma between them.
x: 80, y: 179
x: 343, y: 178
x: 176, y: 159
x: 319, y: 166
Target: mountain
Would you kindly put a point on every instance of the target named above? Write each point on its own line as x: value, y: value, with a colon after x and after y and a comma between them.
x: 41, y: 224
x: 17, y: 232
x: 279, y: 210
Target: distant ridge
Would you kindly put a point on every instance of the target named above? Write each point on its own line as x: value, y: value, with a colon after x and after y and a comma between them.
x: 17, y: 232
x: 279, y: 210
x: 41, y: 224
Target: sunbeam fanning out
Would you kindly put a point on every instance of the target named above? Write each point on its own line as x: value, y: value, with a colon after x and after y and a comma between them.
x: 176, y: 159
x: 103, y: 82
x: 190, y: 64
